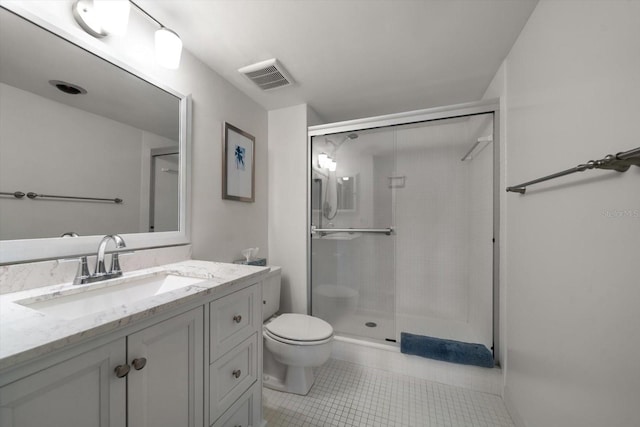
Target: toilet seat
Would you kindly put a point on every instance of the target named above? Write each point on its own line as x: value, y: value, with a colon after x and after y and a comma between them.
x: 299, y: 329
x: 268, y: 334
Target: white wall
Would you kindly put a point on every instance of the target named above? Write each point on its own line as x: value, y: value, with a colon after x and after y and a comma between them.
x: 288, y: 203
x: 220, y: 228
x: 571, y: 87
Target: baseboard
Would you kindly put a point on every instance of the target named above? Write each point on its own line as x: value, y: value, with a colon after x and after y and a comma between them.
x: 511, y: 408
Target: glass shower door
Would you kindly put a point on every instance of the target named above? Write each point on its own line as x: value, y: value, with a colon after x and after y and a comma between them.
x: 444, y: 229
x: 353, y: 272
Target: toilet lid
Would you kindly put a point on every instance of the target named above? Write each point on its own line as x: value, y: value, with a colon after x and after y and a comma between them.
x: 299, y: 327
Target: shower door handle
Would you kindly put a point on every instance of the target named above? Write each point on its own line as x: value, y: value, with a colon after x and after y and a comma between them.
x: 388, y: 231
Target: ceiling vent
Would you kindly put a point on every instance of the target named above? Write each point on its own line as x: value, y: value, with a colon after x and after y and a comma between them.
x: 269, y: 74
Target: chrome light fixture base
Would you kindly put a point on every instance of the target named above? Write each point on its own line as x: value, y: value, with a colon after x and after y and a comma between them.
x: 85, y: 16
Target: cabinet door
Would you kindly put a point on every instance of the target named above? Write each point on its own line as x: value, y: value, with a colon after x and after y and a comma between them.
x: 168, y: 390
x: 82, y: 391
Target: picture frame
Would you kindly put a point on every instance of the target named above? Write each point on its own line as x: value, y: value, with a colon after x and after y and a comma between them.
x: 238, y: 164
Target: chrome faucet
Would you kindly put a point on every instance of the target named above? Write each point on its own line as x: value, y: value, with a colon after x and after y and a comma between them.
x: 115, y: 270
x: 83, y: 276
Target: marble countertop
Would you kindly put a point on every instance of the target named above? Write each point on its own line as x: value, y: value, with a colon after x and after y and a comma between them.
x: 26, y: 333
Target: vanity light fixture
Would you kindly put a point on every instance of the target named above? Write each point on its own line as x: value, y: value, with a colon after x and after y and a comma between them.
x: 322, y: 160
x: 168, y: 48
x: 103, y: 17
x: 113, y: 14
x: 326, y: 162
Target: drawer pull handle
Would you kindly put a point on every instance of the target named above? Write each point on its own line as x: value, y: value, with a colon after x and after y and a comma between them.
x: 122, y: 370
x: 236, y: 374
x: 139, y: 363
x: 237, y: 318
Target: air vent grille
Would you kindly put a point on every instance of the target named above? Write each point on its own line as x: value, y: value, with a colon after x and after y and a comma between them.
x: 269, y: 74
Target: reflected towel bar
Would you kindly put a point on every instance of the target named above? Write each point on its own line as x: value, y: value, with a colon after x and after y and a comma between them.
x: 16, y: 194
x: 33, y: 195
x: 621, y: 162
x: 324, y: 231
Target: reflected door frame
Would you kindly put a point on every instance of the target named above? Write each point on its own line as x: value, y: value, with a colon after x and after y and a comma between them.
x: 156, y: 152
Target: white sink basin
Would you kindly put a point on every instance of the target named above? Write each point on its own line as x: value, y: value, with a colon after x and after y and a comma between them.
x: 94, y: 298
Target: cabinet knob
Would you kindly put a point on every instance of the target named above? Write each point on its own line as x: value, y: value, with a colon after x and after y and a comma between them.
x: 122, y: 370
x: 236, y: 373
x: 237, y: 318
x: 139, y: 363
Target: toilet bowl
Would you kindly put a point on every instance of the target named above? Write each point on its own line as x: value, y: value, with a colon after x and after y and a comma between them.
x: 294, y: 344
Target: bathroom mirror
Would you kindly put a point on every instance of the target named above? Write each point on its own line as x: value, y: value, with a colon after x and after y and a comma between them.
x: 87, y: 146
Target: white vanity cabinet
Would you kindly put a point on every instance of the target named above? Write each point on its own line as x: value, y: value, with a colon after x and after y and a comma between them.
x: 164, y: 384
x: 236, y: 359
x: 160, y: 383
x: 196, y: 367
x: 81, y: 391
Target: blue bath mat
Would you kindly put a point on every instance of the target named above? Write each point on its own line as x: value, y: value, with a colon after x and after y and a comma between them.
x: 446, y: 350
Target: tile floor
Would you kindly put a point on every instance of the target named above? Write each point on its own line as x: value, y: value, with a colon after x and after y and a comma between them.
x: 346, y: 394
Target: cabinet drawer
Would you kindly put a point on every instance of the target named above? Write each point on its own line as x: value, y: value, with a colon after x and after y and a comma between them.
x: 243, y: 412
x: 231, y: 375
x: 233, y: 319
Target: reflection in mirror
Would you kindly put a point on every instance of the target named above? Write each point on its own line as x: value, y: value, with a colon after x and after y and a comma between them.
x: 75, y: 125
x: 346, y: 189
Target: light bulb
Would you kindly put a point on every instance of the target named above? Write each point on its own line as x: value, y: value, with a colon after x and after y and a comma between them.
x: 332, y: 166
x: 168, y: 48
x: 113, y: 15
x: 322, y: 160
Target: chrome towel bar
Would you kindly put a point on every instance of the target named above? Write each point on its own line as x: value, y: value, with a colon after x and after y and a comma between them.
x: 32, y: 195
x: 621, y: 162
x: 16, y: 194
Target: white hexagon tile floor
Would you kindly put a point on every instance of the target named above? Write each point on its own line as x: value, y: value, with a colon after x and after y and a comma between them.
x: 345, y: 394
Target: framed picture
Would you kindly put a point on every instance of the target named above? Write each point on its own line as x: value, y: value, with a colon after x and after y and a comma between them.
x: 238, y: 165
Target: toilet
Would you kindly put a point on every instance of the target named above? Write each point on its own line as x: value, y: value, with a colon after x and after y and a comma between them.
x: 294, y: 344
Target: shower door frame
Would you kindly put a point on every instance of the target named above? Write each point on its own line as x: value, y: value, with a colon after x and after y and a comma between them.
x: 490, y: 106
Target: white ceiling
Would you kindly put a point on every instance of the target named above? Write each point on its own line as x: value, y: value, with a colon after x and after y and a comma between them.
x: 353, y: 58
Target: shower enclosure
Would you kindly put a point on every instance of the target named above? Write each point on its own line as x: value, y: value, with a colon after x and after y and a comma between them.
x: 402, y: 225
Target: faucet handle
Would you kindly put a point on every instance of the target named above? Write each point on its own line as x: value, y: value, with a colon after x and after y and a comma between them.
x: 83, y: 272
x: 115, y: 265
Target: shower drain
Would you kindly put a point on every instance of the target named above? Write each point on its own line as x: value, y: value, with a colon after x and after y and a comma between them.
x: 371, y: 324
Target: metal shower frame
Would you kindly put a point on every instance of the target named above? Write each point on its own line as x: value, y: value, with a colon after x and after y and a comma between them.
x: 491, y: 106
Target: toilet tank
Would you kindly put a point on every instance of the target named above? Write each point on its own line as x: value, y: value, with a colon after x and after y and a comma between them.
x: 271, y: 293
